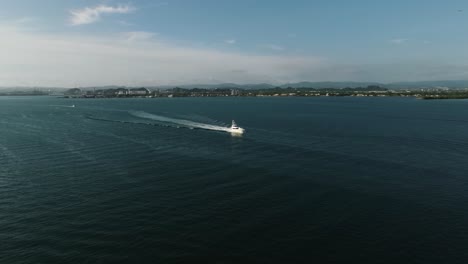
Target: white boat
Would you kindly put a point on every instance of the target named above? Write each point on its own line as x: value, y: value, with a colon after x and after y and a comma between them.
x: 235, y: 129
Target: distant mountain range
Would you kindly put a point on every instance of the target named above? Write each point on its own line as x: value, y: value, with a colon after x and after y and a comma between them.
x: 454, y: 84
x: 450, y: 84
x: 457, y: 84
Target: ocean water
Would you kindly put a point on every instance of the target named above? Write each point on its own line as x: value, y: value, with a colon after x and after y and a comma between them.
x: 313, y: 180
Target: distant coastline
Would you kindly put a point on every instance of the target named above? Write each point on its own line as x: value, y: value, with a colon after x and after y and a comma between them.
x: 425, y: 90
x: 369, y: 91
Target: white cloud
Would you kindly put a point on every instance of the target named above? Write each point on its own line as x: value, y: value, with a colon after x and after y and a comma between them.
x: 125, y: 23
x: 63, y: 59
x: 138, y: 35
x: 89, y: 15
x: 161, y: 4
x: 275, y: 47
x: 24, y: 20
x: 398, y: 41
x: 230, y: 41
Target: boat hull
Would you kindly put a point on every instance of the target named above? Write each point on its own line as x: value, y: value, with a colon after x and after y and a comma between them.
x: 236, y: 131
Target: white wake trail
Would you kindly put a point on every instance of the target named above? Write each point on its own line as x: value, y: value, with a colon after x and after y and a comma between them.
x: 69, y: 106
x: 182, y: 122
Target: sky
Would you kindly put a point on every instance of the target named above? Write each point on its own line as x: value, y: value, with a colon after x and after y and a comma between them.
x: 58, y: 43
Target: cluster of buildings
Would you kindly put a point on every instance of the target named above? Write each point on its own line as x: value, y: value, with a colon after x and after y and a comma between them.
x: 114, y: 92
x: 145, y: 92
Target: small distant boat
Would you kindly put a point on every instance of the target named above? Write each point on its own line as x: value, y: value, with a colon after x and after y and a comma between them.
x: 235, y: 128
x: 72, y: 106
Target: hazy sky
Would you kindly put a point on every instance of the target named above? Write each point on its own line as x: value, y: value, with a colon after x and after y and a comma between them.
x: 146, y: 42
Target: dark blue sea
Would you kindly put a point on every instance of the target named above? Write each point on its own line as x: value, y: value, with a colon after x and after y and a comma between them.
x: 313, y: 180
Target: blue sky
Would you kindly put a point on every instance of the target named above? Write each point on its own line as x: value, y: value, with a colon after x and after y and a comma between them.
x: 142, y: 42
